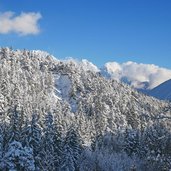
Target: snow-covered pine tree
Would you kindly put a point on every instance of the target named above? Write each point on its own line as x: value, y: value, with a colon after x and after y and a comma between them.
x: 72, y: 150
x: 18, y: 158
x: 33, y: 139
x: 50, y: 145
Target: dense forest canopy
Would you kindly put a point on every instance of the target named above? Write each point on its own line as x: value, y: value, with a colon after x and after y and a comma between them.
x: 65, y: 116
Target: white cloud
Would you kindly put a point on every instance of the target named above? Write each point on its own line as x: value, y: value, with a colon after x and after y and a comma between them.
x: 136, y: 73
x: 23, y: 24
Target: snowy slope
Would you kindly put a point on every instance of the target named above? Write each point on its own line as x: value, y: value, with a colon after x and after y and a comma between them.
x: 163, y: 91
x: 64, y: 115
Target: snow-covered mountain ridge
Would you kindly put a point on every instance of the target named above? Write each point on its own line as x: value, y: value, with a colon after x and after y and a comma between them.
x: 138, y: 75
x: 64, y: 115
x: 163, y: 91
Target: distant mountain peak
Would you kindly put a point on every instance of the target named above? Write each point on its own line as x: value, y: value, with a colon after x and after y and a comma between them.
x: 162, y: 91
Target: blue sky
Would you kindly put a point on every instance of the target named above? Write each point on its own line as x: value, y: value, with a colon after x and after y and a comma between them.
x: 98, y: 30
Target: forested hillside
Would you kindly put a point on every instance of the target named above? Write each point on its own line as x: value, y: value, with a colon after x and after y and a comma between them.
x: 65, y: 116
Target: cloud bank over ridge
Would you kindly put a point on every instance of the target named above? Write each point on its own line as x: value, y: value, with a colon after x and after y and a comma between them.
x: 137, y: 74
x: 23, y: 24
